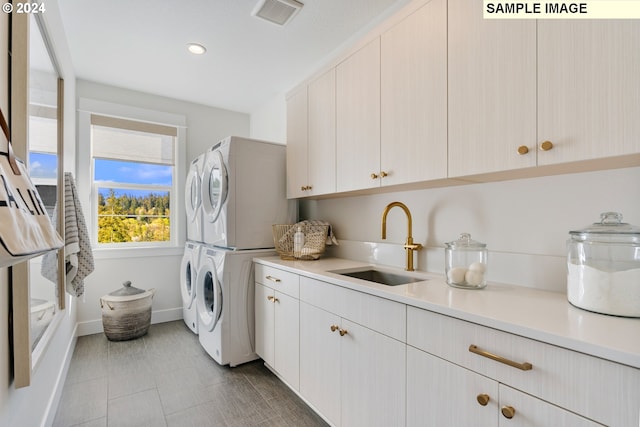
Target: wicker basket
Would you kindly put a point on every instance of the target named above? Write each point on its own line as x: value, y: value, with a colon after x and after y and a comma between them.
x: 315, y: 237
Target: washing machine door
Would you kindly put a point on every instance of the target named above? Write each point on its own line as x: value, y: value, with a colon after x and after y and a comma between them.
x: 192, y: 193
x: 208, y: 295
x: 214, y: 185
x: 188, y: 275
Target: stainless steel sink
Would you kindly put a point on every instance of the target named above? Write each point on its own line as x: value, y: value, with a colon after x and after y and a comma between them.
x: 379, y: 276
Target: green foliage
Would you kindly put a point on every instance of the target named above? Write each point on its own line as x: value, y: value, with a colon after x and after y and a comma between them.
x: 128, y: 218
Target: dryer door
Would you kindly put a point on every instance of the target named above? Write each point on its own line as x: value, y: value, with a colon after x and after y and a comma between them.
x: 214, y: 185
x: 208, y: 295
x: 188, y: 274
x: 192, y: 193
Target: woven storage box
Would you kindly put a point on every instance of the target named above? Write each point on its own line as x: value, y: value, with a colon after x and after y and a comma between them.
x: 126, y: 313
x: 315, y: 238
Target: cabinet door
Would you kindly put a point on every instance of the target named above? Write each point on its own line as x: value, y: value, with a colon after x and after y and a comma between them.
x: 320, y: 361
x: 373, y: 378
x: 589, y: 90
x: 358, y: 119
x: 440, y: 393
x: 322, y: 134
x: 492, y: 91
x: 264, y: 324
x: 414, y: 97
x: 287, y: 339
x: 297, y: 144
x: 532, y: 412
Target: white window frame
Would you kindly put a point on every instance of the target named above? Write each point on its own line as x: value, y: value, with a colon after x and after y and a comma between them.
x: 87, y: 188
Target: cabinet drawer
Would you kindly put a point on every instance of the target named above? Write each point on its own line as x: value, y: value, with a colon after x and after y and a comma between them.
x: 596, y: 388
x: 280, y: 280
x: 381, y: 315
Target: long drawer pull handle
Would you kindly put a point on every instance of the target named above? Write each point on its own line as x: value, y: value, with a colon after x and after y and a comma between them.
x: 526, y: 366
x: 273, y: 279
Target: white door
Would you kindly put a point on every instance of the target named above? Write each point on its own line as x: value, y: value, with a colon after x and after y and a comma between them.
x: 188, y: 274
x: 192, y: 193
x: 372, y: 378
x: 208, y: 295
x: 320, y: 360
x: 440, y: 393
x: 265, y: 340
x: 214, y: 185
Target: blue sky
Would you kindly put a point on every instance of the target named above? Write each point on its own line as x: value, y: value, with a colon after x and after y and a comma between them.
x: 131, y: 173
x: 43, y: 165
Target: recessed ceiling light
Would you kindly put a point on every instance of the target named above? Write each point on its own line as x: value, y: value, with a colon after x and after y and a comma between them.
x: 196, y: 49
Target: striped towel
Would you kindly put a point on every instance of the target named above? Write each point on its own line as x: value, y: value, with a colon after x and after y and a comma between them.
x: 331, y: 237
x: 78, y: 253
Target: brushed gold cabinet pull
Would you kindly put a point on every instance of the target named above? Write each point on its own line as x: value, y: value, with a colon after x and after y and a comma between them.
x: 374, y: 176
x: 546, y: 146
x: 343, y: 332
x: 273, y: 279
x: 508, y: 411
x: 270, y: 298
x: 303, y: 188
x: 523, y: 149
x: 309, y: 187
x: 383, y: 174
x: 526, y: 366
x: 334, y: 328
x: 483, y: 399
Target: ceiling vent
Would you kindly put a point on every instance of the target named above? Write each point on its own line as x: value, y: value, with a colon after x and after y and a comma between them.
x: 278, y: 12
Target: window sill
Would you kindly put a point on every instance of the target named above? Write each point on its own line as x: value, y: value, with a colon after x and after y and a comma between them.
x: 137, y: 252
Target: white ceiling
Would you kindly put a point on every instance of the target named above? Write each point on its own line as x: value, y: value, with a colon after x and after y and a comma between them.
x: 141, y: 45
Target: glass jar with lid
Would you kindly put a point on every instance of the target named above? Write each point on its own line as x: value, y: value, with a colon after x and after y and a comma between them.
x: 603, y: 266
x: 466, y: 263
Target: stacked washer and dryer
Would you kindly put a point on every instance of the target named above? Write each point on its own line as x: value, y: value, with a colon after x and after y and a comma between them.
x: 235, y: 192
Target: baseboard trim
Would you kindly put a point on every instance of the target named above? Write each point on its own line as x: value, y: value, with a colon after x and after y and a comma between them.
x: 52, y: 407
x: 91, y: 327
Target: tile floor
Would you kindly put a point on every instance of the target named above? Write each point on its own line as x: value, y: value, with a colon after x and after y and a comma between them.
x: 166, y: 379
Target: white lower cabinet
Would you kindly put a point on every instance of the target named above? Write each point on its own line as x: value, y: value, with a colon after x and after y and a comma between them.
x: 277, y: 325
x: 364, y: 360
x: 319, y: 361
x: 372, y: 383
x: 545, y: 384
x: 440, y: 393
x: 351, y: 374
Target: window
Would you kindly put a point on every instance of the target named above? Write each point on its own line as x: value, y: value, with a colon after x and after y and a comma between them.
x: 133, y: 174
x: 43, y: 149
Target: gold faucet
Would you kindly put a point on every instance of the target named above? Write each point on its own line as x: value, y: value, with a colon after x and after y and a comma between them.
x: 409, y: 246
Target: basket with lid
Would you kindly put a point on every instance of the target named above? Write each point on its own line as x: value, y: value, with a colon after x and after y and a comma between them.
x: 126, y: 312
x: 603, y: 266
x: 466, y: 263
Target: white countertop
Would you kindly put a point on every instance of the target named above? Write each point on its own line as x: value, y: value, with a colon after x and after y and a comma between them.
x: 540, y: 315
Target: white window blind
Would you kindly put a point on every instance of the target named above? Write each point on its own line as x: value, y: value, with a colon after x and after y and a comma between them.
x: 128, y: 140
x: 43, y: 129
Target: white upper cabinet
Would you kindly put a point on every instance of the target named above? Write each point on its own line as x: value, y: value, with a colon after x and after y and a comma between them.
x: 438, y: 92
x: 414, y: 97
x: 297, y: 143
x: 311, y: 138
x: 322, y: 134
x: 358, y: 119
x: 492, y: 91
x: 588, y: 89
